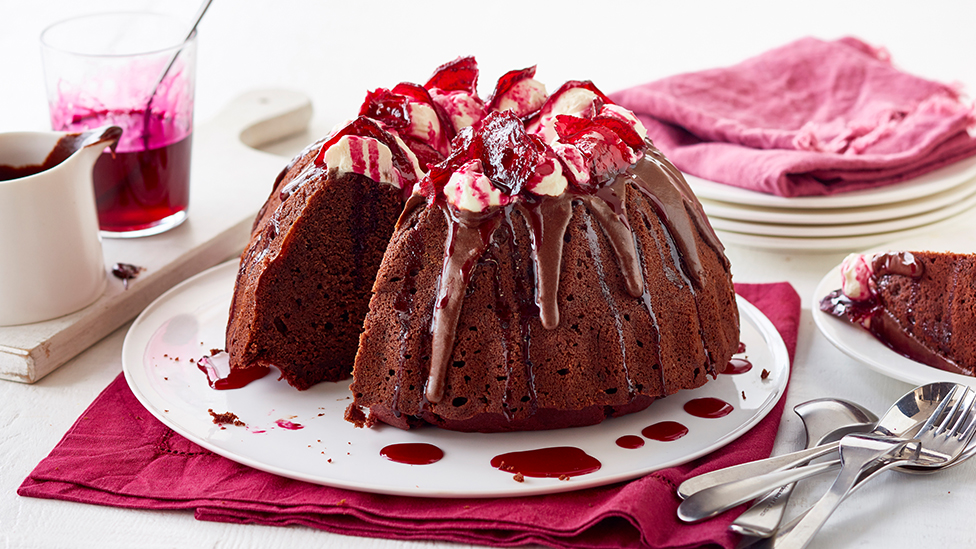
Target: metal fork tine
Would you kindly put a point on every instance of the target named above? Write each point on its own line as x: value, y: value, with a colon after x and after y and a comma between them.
x: 937, y: 414
x: 966, y: 433
x: 954, y: 416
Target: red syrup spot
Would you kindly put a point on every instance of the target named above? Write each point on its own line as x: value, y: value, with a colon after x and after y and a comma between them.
x: 285, y: 424
x: 221, y: 377
x: 742, y: 347
x: 630, y: 442
x: 665, y: 431
x: 548, y: 462
x: 708, y: 407
x: 737, y: 366
x: 413, y: 453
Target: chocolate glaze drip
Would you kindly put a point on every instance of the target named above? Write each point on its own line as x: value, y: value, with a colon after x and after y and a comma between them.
x: 469, y: 236
x: 897, y: 263
x: 549, y: 220
x: 673, y: 202
x: 467, y: 240
x: 609, y: 207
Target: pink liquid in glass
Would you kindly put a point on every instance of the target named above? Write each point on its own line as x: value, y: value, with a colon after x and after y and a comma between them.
x: 147, y: 179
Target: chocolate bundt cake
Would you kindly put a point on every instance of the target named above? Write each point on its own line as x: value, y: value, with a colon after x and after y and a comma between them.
x: 921, y: 304
x: 550, y: 267
x: 554, y: 270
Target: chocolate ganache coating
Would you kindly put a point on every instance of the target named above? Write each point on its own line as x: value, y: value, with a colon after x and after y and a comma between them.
x: 544, y: 311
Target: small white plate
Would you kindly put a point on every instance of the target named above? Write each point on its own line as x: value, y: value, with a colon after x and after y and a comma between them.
x: 832, y: 231
x: 839, y: 216
x: 928, y: 184
x: 188, y: 320
x: 860, y: 345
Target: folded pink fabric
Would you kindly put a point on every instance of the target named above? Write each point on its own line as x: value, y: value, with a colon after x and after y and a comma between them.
x: 808, y: 118
x: 118, y: 454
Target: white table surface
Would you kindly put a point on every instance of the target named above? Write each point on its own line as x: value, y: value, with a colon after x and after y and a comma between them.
x: 333, y: 52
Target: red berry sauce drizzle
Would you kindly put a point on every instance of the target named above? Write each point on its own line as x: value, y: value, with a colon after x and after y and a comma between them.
x: 221, y: 377
x: 413, y: 453
x: 559, y: 461
x: 708, y: 407
x: 665, y: 431
x: 737, y: 366
x: 630, y: 442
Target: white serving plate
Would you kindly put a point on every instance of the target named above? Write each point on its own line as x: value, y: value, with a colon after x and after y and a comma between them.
x: 189, y: 320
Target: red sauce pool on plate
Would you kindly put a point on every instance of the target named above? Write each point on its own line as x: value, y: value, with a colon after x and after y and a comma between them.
x: 665, y: 431
x: 708, y: 407
x: 413, y: 453
x: 630, y: 442
x: 742, y: 347
x: 221, y: 377
x: 737, y: 366
x: 557, y: 461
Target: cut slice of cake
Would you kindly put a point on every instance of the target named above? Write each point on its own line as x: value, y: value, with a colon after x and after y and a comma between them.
x: 920, y: 304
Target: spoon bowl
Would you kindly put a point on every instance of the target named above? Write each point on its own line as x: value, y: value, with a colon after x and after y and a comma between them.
x: 824, y: 420
x: 829, y: 419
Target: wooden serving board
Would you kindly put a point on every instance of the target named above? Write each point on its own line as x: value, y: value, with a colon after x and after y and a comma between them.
x: 229, y: 181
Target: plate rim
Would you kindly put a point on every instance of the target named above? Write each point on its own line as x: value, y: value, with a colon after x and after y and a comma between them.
x: 843, y: 216
x: 774, y: 343
x: 843, y: 243
x: 844, y: 230
x: 926, y: 184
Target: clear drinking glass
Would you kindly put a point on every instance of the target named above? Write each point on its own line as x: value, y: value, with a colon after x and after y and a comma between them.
x: 101, y: 69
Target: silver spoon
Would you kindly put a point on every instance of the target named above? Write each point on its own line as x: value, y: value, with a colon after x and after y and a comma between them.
x: 159, y: 80
x: 824, y: 420
x: 904, y: 417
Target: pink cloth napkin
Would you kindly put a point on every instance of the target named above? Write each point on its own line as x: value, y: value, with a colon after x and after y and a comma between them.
x: 808, y: 118
x: 118, y: 454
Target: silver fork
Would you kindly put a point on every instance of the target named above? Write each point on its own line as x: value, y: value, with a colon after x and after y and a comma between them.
x: 941, y: 439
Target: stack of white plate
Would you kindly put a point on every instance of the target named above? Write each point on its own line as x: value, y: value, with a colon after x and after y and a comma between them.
x: 848, y: 221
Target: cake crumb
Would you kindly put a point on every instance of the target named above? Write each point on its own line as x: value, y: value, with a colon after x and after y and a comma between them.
x: 518, y: 477
x: 563, y: 477
x: 764, y: 375
x: 226, y: 418
x: 743, y: 395
x: 214, y: 351
x: 342, y: 501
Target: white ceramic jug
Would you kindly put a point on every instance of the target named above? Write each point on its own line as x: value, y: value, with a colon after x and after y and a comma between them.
x: 50, y: 253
